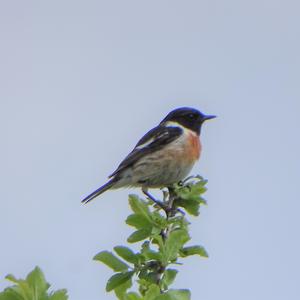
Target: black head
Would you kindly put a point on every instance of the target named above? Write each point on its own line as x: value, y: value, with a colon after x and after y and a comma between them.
x: 188, y: 117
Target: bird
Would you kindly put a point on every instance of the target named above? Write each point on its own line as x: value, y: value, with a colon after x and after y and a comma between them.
x: 163, y: 157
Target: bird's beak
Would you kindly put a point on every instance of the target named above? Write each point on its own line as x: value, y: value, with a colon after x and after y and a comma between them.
x: 208, y: 117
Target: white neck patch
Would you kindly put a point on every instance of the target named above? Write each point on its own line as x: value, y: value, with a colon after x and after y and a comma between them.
x: 175, y: 124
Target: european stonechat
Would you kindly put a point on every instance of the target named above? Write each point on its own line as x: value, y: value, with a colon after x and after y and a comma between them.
x: 163, y: 156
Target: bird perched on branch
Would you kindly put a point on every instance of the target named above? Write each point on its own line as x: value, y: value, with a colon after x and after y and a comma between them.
x: 163, y: 156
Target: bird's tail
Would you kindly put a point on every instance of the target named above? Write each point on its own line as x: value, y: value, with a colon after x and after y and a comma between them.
x: 99, y: 191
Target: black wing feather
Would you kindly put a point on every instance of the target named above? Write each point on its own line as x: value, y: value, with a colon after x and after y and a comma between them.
x: 161, y: 136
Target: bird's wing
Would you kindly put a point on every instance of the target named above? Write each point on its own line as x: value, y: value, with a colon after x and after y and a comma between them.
x: 153, y: 140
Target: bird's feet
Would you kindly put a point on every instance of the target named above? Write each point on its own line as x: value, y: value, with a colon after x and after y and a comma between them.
x: 167, y: 206
x: 161, y: 204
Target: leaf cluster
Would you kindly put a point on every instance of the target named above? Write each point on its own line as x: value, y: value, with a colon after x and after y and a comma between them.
x: 163, y: 231
x: 34, y: 287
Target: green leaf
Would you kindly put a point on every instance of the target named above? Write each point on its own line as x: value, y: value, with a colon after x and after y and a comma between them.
x: 139, y: 207
x: 10, y: 294
x: 159, y: 220
x: 180, y: 294
x: 12, y: 278
x: 132, y: 296
x: 193, y: 250
x: 121, y: 290
x: 36, y: 281
x: 111, y: 261
x: 139, y: 235
x: 59, y: 295
x: 155, y: 230
x: 33, y: 288
x: 23, y: 289
x: 169, y: 277
x: 138, y: 221
x: 174, y: 242
x: 158, y: 240
x: 126, y: 254
x: 175, y: 295
x: 189, y: 197
x: 118, y: 279
x: 152, y: 292
x: 150, y: 254
x: 15, y: 292
x: 191, y: 206
x: 149, y: 277
x: 191, y: 192
x: 199, y: 187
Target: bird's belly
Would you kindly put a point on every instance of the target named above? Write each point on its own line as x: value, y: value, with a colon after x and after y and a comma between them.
x: 168, y: 166
x: 160, y: 173
x: 164, y: 167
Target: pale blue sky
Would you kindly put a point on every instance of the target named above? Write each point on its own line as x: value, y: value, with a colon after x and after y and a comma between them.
x: 80, y: 83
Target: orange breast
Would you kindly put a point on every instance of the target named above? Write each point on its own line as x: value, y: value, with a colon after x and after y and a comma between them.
x: 194, y: 146
x: 185, y: 150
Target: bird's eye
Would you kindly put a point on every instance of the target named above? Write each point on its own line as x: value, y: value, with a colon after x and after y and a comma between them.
x: 192, y: 116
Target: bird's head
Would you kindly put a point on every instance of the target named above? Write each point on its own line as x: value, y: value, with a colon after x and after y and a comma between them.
x: 188, y: 117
